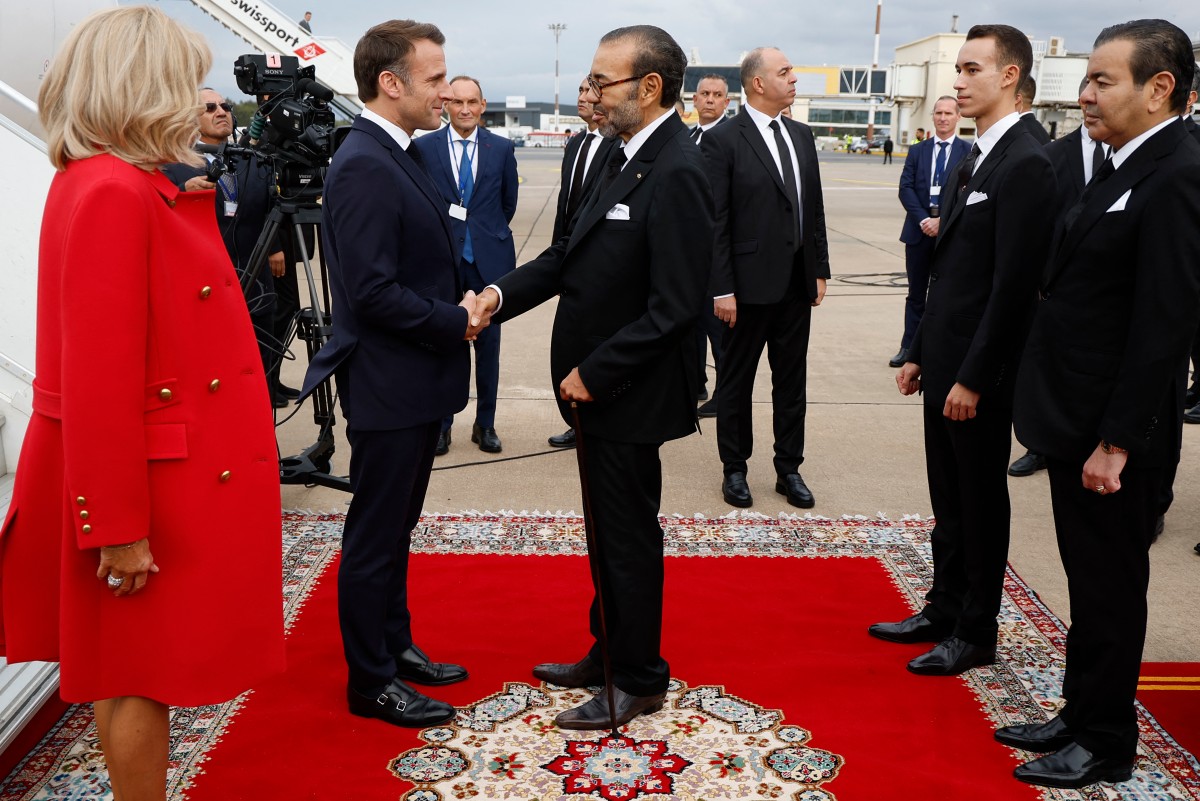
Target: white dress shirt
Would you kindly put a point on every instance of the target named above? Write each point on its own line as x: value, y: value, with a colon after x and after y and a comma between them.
x: 591, y: 156
x: 1120, y: 155
x: 392, y: 129
x: 1087, y: 147
x: 456, y: 151
x: 988, y: 140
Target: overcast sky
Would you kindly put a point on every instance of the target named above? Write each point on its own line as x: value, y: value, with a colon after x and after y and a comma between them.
x: 508, y: 45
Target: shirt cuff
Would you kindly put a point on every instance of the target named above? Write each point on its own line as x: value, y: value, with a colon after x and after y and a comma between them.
x: 720, y: 297
x: 499, y: 294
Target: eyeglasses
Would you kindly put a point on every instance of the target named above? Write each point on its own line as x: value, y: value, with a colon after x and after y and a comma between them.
x: 209, y: 108
x: 599, y: 88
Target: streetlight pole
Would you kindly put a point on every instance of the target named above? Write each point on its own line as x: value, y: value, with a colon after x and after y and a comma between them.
x: 871, y: 74
x: 557, y: 28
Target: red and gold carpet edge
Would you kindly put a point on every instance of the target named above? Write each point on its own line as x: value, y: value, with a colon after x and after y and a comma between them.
x: 771, y: 623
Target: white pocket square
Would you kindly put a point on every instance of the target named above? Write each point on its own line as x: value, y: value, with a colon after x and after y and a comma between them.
x: 1121, y: 201
x: 976, y: 197
x: 617, y: 212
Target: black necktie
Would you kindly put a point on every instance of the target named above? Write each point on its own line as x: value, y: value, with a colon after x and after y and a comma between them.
x: 415, y: 154
x: 615, y: 162
x: 1098, y: 177
x: 967, y: 168
x: 576, y: 192
x: 789, y: 181
x: 939, y: 169
x: 1097, y: 156
x: 696, y: 133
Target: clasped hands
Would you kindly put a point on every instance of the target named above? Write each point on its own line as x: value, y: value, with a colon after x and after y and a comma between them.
x: 479, y: 311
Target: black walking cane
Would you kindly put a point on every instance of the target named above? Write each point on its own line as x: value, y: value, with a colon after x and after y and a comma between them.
x: 594, y: 563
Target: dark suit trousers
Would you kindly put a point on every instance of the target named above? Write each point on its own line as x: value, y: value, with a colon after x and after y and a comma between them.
x: 1104, y: 541
x: 918, y: 259
x: 487, y: 359
x: 389, y: 473
x: 709, y: 331
x: 967, y: 465
x: 783, y: 329
x: 625, y: 480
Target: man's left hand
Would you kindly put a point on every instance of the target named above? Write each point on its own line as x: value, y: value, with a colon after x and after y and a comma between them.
x: 1103, y: 470
x: 572, y: 388
x: 275, y: 260
x: 820, y: 292
x: 960, y: 403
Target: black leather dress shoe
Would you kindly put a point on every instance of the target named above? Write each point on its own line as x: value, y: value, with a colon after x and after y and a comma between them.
x: 735, y: 490
x: 1040, y: 737
x: 280, y: 402
x: 899, y: 359
x: 486, y: 439
x: 443, y: 444
x: 1191, y: 397
x: 1160, y: 525
x: 564, y: 440
x: 797, y: 492
x: 584, y: 673
x: 413, y: 665
x: 288, y: 392
x: 1072, y: 768
x: 708, y: 408
x: 594, y: 714
x: 702, y: 395
x: 951, y: 657
x: 400, y: 705
x: 1192, y: 415
x: 1027, y: 465
x: 917, y: 628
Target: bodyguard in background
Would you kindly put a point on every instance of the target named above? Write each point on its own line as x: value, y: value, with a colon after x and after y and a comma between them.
x: 1025, y: 109
x: 926, y: 169
x: 476, y: 172
x: 399, y: 353
x: 1100, y: 390
x: 769, y: 267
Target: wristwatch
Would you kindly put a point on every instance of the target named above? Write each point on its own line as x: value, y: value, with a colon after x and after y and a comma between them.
x: 1110, y: 448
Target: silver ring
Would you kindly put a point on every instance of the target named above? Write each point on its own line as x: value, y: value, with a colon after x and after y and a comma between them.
x: 1100, y: 488
x: 115, y: 582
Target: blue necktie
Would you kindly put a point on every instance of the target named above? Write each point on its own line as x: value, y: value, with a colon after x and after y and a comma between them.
x: 466, y: 185
x: 939, y: 170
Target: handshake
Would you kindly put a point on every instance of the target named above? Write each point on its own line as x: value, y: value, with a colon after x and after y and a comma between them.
x: 480, y: 309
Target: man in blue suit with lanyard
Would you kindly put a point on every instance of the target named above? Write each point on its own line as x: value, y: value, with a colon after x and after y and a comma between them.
x: 476, y: 173
x: 925, y: 170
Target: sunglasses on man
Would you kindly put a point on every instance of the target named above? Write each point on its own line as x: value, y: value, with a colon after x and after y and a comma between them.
x: 209, y: 108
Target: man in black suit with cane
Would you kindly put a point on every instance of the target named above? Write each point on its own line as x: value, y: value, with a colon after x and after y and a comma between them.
x: 631, y: 275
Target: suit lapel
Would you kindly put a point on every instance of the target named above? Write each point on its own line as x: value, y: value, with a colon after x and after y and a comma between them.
x: 603, y: 151
x: 418, y: 176
x: 994, y: 159
x: 1075, y: 160
x: 483, y: 156
x: 1141, y: 164
x: 443, y: 160
x: 754, y: 138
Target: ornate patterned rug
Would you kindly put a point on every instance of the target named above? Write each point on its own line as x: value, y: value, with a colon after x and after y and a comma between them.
x: 778, y: 692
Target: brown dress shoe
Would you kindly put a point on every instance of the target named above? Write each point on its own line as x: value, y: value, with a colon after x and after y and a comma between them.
x: 584, y: 673
x: 594, y: 714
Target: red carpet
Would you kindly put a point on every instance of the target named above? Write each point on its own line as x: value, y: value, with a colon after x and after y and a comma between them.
x: 746, y: 634
x: 1171, y: 691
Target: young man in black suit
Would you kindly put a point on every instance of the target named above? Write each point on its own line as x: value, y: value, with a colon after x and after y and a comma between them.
x: 400, y: 355
x: 1100, y: 389
x: 769, y: 267
x: 630, y: 276
x: 584, y: 158
x: 991, y: 243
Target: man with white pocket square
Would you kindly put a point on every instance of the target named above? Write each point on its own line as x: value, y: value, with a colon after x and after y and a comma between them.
x: 993, y: 238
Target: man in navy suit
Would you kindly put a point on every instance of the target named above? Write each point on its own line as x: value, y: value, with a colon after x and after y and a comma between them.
x: 926, y: 168
x: 476, y: 173
x: 399, y: 354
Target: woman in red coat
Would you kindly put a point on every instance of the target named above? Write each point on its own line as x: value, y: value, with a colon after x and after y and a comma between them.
x: 142, y: 547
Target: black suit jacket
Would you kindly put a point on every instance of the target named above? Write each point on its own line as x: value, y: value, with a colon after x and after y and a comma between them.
x: 562, y: 223
x: 630, y: 291
x: 991, y: 244
x: 1039, y: 133
x: 753, y: 252
x: 397, y: 343
x: 1066, y: 155
x: 1120, y: 296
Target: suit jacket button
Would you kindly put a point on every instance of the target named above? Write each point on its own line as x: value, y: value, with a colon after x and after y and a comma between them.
x: 84, y: 515
x: 87, y: 529
x: 165, y: 394
x: 205, y: 292
x: 214, y: 385
x: 226, y: 476
x: 933, y: 276
x: 82, y: 501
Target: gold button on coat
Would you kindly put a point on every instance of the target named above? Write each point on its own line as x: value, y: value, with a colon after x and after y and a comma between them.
x: 214, y: 385
x: 81, y: 500
x: 87, y: 529
x: 165, y: 394
x: 226, y: 475
x: 205, y: 292
x: 84, y: 515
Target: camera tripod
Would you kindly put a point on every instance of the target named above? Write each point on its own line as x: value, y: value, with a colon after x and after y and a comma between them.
x: 312, y: 465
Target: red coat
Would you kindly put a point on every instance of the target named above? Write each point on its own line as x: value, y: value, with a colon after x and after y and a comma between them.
x: 151, y: 419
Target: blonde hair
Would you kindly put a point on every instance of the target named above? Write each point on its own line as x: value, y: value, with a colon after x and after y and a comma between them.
x: 125, y: 82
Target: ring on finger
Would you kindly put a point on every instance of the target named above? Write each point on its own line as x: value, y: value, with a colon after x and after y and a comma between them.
x: 115, y: 581
x: 1100, y: 488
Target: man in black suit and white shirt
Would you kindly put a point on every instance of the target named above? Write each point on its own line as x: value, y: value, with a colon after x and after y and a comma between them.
x: 991, y: 244
x: 630, y: 276
x: 1024, y: 107
x: 586, y: 154
x: 709, y: 101
x: 770, y: 263
x: 1100, y: 389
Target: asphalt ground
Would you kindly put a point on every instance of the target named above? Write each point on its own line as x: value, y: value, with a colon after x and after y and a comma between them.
x: 864, y: 452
